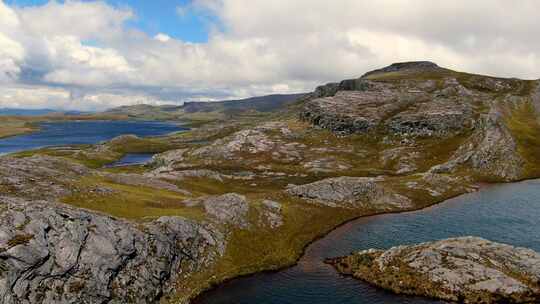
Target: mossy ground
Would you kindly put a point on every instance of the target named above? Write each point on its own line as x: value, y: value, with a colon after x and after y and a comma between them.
x: 130, y: 202
x: 522, y: 120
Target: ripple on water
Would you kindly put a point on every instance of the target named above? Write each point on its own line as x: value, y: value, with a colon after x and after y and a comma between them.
x: 508, y: 213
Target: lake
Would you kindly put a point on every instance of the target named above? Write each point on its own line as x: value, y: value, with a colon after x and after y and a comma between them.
x: 507, y: 213
x: 83, y: 132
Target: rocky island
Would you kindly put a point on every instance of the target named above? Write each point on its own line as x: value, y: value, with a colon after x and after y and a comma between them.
x: 465, y: 270
x: 246, y: 191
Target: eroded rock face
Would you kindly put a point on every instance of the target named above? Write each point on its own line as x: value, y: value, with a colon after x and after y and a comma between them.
x: 408, y: 107
x: 351, y: 192
x: 52, y: 253
x: 490, y: 151
x: 467, y: 269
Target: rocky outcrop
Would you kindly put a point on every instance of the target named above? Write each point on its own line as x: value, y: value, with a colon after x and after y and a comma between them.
x: 467, y: 269
x: 271, y: 214
x: 491, y: 151
x: 39, y: 177
x: 165, y: 173
x: 169, y: 160
x: 230, y: 208
x: 249, y: 143
x: 395, y: 108
x: 411, y: 66
x: 351, y: 192
x: 52, y: 253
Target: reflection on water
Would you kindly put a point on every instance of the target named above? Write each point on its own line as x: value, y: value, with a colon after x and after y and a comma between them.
x: 508, y: 213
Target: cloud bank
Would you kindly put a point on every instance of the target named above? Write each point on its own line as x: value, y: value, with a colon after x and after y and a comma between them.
x: 85, y: 55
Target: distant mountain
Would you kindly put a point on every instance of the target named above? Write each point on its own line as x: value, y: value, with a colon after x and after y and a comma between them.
x: 25, y: 112
x: 267, y: 103
x: 35, y: 112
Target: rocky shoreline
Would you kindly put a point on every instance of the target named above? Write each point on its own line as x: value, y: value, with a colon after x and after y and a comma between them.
x: 465, y: 270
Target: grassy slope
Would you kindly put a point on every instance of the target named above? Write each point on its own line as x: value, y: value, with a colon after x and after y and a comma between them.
x: 522, y: 120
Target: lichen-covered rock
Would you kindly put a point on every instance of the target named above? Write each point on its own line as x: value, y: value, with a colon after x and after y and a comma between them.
x: 411, y: 107
x: 39, y: 177
x: 271, y: 140
x: 491, y: 151
x: 466, y: 269
x: 165, y: 173
x: 170, y: 159
x: 271, y: 213
x: 351, y: 192
x: 230, y: 208
x: 51, y: 253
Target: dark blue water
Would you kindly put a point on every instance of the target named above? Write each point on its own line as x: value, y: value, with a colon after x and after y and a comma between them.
x: 508, y: 213
x: 132, y: 159
x: 83, y: 132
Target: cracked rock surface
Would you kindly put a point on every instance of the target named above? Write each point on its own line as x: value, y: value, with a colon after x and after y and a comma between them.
x: 51, y: 253
x: 351, y: 192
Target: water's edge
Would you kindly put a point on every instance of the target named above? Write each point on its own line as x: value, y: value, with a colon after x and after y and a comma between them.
x: 312, y: 252
x: 217, y: 285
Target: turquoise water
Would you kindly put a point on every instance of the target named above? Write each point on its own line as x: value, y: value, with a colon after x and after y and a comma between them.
x: 508, y: 213
x: 83, y: 132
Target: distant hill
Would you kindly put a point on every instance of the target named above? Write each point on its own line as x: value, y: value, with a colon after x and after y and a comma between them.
x: 36, y: 112
x: 267, y: 103
x: 25, y: 112
x: 214, y: 109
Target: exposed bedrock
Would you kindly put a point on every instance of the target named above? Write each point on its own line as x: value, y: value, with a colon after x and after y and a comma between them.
x: 51, y: 253
x: 466, y: 270
x: 351, y: 192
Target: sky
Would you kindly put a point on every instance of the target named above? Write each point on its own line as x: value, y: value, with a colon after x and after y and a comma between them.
x: 93, y: 55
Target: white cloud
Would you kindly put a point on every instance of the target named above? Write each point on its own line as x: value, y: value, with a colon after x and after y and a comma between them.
x: 78, y: 64
x: 255, y: 47
x: 35, y: 97
x: 162, y: 37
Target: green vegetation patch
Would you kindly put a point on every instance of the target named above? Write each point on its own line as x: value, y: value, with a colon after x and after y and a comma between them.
x: 522, y: 120
x: 130, y: 202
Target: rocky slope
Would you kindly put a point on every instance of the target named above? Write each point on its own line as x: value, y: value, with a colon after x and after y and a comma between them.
x: 51, y: 253
x: 234, y: 197
x: 467, y: 270
x: 415, y: 100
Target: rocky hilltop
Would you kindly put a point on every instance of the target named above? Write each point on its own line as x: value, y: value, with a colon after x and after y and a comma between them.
x: 413, y: 100
x: 246, y: 194
x: 465, y: 270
